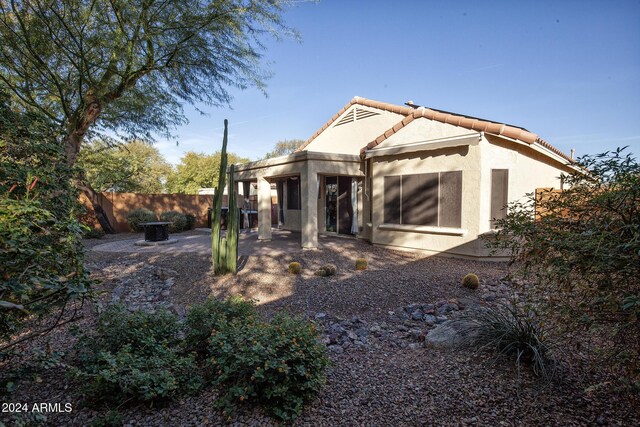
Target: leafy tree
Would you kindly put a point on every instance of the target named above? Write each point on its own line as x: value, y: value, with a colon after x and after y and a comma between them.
x: 580, y: 251
x: 128, y: 66
x: 41, y: 254
x: 198, y: 170
x: 284, y: 147
x: 135, y: 167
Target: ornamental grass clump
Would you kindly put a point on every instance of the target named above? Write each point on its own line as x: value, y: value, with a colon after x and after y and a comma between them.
x: 361, y: 264
x: 279, y: 365
x: 513, y: 331
x: 295, y: 268
x: 471, y: 281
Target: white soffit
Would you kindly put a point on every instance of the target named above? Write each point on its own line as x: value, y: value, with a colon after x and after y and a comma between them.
x: 433, y: 144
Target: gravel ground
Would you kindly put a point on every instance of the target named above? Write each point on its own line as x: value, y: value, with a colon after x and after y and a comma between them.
x: 387, y: 380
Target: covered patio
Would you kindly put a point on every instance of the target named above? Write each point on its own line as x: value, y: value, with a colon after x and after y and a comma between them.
x: 305, y: 190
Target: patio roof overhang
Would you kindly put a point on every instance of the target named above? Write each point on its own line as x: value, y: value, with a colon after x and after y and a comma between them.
x: 296, y: 163
x: 433, y: 144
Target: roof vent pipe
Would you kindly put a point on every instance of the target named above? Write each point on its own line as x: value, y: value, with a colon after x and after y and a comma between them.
x: 573, y: 152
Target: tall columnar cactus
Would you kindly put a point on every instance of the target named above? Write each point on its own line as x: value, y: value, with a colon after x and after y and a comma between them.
x: 233, y: 225
x: 224, y: 251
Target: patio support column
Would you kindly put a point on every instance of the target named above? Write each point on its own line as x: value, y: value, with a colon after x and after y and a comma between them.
x: 264, y: 209
x: 309, y: 213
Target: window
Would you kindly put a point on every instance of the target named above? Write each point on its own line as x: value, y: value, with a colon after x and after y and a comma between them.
x: 432, y: 199
x: 293, y: 194
x: 499, y: 194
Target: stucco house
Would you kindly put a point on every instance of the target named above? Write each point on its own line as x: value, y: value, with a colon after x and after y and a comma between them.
x: 403, y: 176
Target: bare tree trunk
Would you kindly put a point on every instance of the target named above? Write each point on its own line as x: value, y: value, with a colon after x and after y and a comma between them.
x: 77, y: 130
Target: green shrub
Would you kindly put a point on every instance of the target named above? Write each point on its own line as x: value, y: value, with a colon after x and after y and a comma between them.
x: 41, y: 252
x: 279, y: 365
x: 110, y: 419
x: 361, y: 264
x: 178, y: 221
x: 133, y: 357
x: 191, y: 222
x: 295, y: 268
x: 471, y: 281
x: 578, y: 251
x: 205, y: 319
x: 93, y: 233
x: 512, y: 331
x: 137, y: 216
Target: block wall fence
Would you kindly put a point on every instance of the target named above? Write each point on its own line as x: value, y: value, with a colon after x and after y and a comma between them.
x: 117, y: 205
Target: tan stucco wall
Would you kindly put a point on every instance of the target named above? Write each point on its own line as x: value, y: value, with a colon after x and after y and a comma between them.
x: 423, y: 130
x: 349, y: 138
x: 528, y: 170
x: 465, y: 159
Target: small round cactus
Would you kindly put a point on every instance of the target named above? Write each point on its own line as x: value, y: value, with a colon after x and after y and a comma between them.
x: 361, y: 264
x: 326, y: 270
x: 295, y: 268
x: 471, y: 281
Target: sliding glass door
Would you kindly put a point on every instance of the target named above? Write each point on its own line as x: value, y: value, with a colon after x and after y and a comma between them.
x: 338, y: 204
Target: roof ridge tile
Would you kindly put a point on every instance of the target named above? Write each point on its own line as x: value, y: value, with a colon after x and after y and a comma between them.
x: 460, y: 120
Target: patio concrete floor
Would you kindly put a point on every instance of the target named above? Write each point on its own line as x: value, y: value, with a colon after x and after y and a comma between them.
x: 199, y: 241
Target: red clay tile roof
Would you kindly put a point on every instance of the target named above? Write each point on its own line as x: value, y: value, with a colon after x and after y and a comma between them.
x: 412, y: 113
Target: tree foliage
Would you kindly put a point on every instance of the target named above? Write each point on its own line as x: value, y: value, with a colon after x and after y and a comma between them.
x: 40, y: 249
x: 134, y: 167
x: 198, y: 170
x: 580, y: 251
x: 130, y: 65
x: 284, y: 147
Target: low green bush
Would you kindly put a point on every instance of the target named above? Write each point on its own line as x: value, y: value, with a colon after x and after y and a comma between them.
x: 110, y: 419
x: 205, y: 319
x: 134, y: 358
x: 178, y: 221
x: 191, y: 222
x: 136, y: 217
x: 279, y: 365
x: 93, y: 233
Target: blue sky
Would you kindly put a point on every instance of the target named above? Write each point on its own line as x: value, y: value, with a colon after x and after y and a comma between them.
x: 566, y: 70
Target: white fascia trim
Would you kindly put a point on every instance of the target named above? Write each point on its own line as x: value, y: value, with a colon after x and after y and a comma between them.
x: 433, y: 144
x: 542, y: 150
x: 425, y: 229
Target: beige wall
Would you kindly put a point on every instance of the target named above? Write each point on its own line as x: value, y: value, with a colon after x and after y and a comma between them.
x: 461, y: 241
x: 349, y: 138
x: 423, y: 130
x: 528, y: 170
